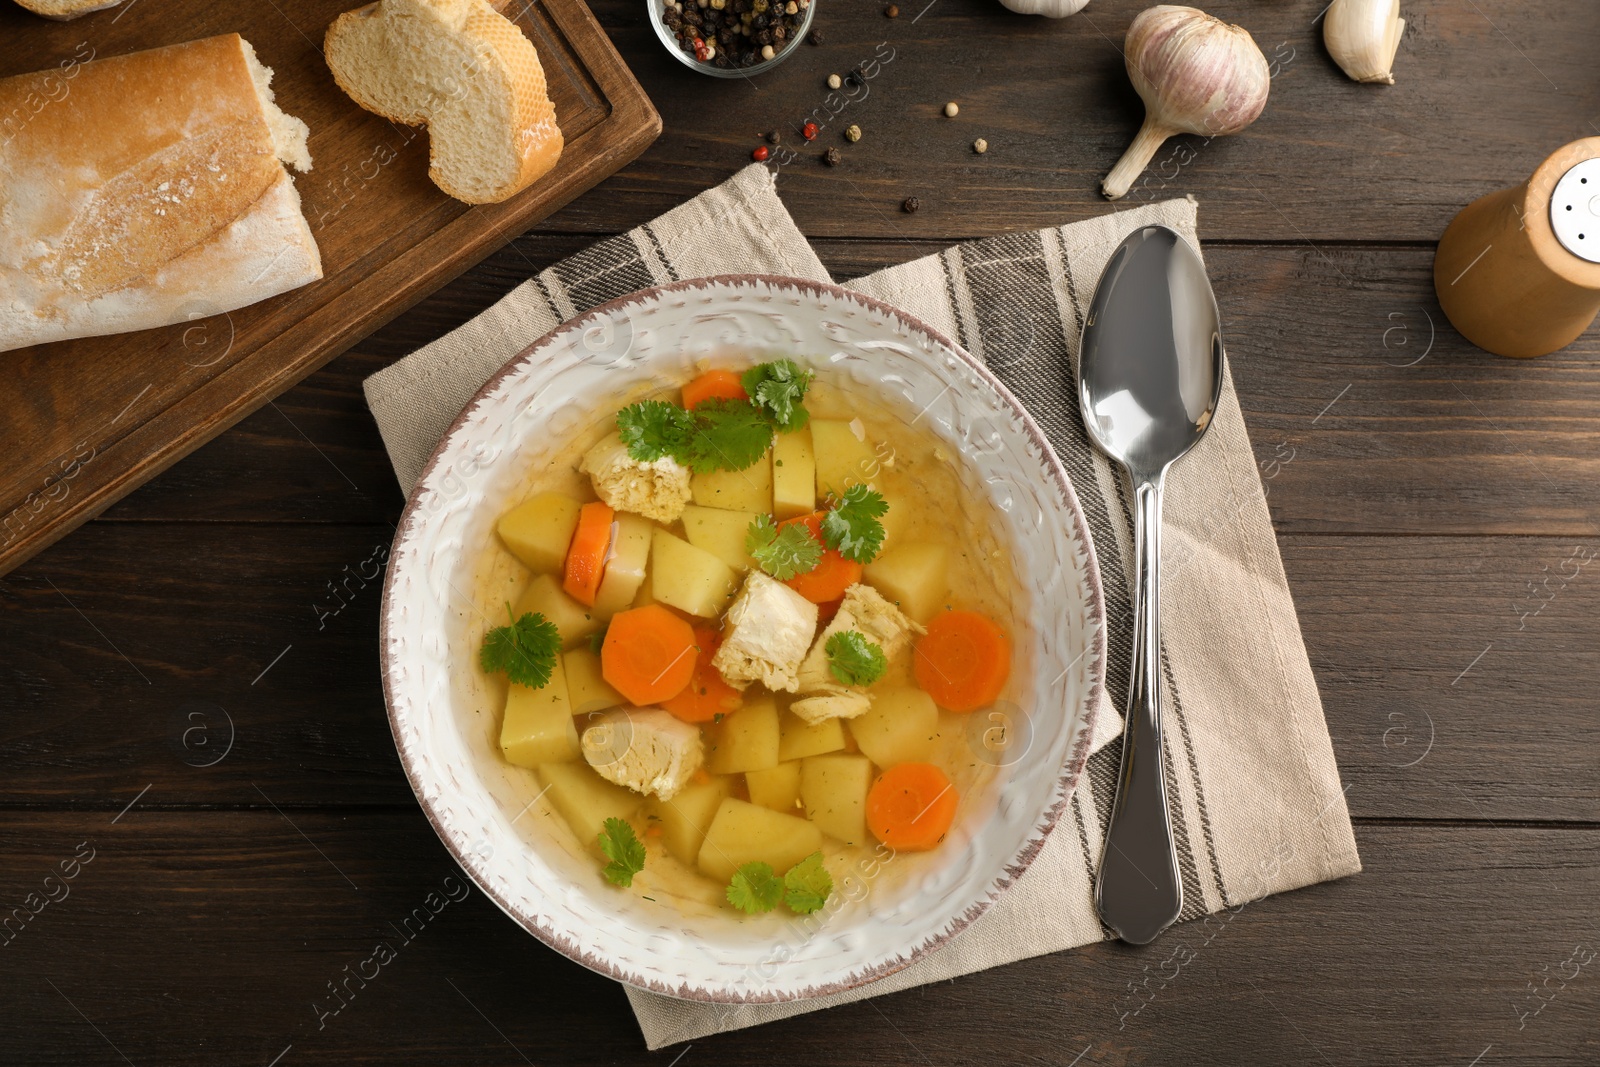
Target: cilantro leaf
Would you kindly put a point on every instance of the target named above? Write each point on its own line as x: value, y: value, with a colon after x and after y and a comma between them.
x: 854, y: 660
x: 807, y: 884
x: 782, y: 553
x: 755, y: 888
x: 777, y: 388
x: 625, y: 851
x: 725, y: 435
x: 852, y: 525
x: 654, y: 428
x: 525, y: 650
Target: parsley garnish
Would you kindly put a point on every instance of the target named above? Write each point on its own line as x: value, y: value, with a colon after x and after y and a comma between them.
x: 625, y: 851
x: 727, y: 435
x: 777, y: 388
x: 782, y: 553
x: 807, y: 885
x: 654, y: 428
x: 852, y: 525
x: 853, y: 659
x: 755, y: 888
x: 525, y: 650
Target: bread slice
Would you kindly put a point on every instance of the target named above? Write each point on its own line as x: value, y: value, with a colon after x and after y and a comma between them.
x: 467, y: 73
x: 66, y: 9
x: 152, y: 193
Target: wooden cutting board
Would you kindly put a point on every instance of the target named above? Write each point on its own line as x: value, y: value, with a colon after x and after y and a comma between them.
x: 84, y: 422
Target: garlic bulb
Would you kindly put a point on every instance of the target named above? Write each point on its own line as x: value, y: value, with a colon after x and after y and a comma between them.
x: 1055, y: 9
x: 1362, y: 37
x: 1196, y: 74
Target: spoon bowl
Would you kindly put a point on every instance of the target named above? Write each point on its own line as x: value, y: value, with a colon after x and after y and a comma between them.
x: 1149, y: 375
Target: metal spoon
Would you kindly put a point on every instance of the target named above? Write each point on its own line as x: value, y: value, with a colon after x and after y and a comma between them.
x: 1149, y: 374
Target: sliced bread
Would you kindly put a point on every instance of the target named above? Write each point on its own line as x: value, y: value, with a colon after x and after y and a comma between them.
x: 66, y: 9
x: 154, y: 192
x: 467, y: 73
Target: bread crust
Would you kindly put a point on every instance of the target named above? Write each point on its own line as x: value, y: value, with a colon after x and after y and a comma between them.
x: 505, y: 54
x: 142, y: 161
x: 68, y: 9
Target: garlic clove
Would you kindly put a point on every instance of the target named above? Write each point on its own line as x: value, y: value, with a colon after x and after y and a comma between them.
x: 1055, y: 9
x: 1196, y: 74
x: 1363, y: 36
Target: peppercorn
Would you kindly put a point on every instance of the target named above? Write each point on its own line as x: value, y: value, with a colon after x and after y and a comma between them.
x: 814, y: 37
x: 892, y: 11
x: 834, y: 81
x: 910, y: 205
x: 809, y: 130
x: 852, y: 133
x: 832, y: 157
x: 951, y: 110
x: 767, y: 51
x: 980, y: 146
x: 774, y: 137
x: 760, y: 154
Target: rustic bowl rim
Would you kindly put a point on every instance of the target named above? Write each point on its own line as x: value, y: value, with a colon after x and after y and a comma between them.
x: 1066, y: 781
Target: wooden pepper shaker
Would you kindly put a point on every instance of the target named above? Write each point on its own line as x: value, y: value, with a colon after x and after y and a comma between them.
x: 1518, y: 271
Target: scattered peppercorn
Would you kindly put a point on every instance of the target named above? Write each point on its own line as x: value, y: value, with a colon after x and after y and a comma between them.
x: 951, y: 110
x: 852, y: 133
x: 892, y: 11
x: 910, y: 205
x: 980, y: 146
x: 814, y: 37
x: 809, y: 130
x: 775, y: 137
x: 832, y: 157
x: 834, y: 81
x: 760, y: 154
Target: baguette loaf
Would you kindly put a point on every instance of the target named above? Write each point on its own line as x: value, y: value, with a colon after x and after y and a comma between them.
x: 66, y: 9
x: 466, y: 72
x: 149, y: 192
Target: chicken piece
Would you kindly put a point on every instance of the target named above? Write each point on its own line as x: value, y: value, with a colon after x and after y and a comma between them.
x: 657, y: 490
x: 645, y: 749
x: 865, y: 611
x: 845, y: 704
x: 769, y: 627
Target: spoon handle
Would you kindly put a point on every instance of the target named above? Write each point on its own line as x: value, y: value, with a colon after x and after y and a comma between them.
x: 1139, y: 892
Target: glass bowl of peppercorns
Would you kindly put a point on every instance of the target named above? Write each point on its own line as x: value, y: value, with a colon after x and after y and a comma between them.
x: 731, y: 38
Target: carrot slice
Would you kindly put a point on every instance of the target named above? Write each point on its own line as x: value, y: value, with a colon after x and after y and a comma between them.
x: 713, y: 385
x: 963, y: 660
x: 707, y: 695
x: 911, y: 806
x: 648, y: 654
x: 586, y: 555
x: 831, y: 577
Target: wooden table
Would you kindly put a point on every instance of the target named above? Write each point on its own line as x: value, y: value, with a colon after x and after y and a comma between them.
x: 191, y: 697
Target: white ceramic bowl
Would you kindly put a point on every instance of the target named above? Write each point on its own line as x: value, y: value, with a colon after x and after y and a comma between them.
x: 447, y: 578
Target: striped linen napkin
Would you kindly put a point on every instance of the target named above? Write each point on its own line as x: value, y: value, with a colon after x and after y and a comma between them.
x: 1256, y: 802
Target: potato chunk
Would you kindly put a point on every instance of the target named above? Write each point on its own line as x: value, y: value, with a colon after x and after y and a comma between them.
x: 720, y: 533
x: 834, y: 791
x: 914, y: 576
x: 745, y: 740
x: 843, y: 455
x: 587, y: 689
x: 685, y: 818
x: 902, y: 726
x: 537, y: 725
x: 625, y: 566
x: 585, y: 799
x: 545, y: 596
x: 746, y: 490
x: 794, y: 475
x: 798, y: 738
x: 538, y: 531
x: 776, y: 787
x: 742, y: 833
x: 689, y: 578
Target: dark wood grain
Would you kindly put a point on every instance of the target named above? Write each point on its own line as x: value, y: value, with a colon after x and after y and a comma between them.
x: 211, y: 937
x: 90, y: 419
